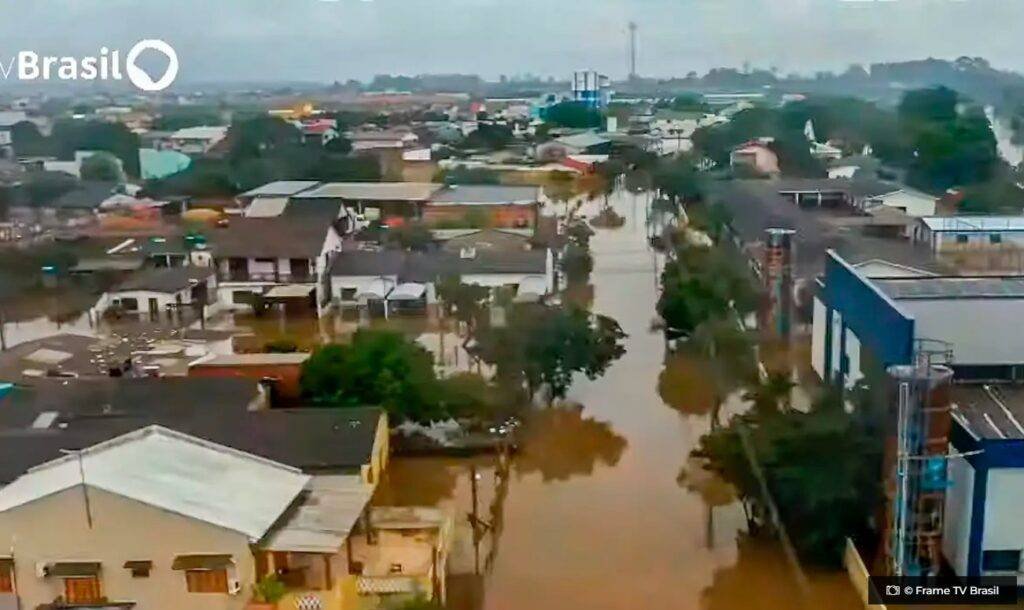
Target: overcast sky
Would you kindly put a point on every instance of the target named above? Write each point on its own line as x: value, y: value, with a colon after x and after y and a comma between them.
x: 326, y: 40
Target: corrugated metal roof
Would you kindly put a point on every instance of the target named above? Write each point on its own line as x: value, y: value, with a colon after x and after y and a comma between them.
x: 330, y: 507
x: 280, y: 188
x: 479, y: 194
x: 967, y: 224
x: 952, y: 287
x: 175, y: 472
x: 374, y: 191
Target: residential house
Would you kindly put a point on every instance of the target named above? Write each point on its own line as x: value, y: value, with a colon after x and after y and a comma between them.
x: 367, y: 140
x: 490, y: 205
x: 280, y: 374
x: 318, y: 131
x: 586, y: 143
x: 197, y: 141
x: 77, y: 207
x: 912, y: 202
x: 383, y: 281
x: 280, y: 190
x: 757, y: 156
x: 163, y: 291
x: 278, y: 258
x: 389, y: 202
x: 40, y: 422
x: 153, y: 518
x: 862, y: 166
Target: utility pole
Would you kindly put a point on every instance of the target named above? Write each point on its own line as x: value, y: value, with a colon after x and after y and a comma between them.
x: 632, y: 50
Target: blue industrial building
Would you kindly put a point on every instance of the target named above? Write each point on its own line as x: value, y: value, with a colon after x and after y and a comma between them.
x: 983, y: 533
x: 881, y: 314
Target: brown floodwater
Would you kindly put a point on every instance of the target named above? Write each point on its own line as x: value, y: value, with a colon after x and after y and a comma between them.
x: 603, y: 508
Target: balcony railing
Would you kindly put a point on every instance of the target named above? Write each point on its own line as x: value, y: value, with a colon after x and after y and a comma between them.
x: 242, y: 275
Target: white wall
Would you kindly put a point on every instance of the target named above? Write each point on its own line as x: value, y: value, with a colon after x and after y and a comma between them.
x: 837, y: 330
x: 956, y: 529
x: 913, y: 204
x: 982, y: 331
x: 1004, y: 528
x: 853, y: 355
x: 818, y: 331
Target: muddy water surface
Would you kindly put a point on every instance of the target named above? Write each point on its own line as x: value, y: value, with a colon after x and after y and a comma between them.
x: 603, y: 509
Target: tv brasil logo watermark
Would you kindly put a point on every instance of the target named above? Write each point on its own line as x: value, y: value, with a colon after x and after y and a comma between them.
x: 31, y: 66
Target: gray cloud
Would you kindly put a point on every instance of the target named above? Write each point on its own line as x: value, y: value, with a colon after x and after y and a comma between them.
x: 225, y: 40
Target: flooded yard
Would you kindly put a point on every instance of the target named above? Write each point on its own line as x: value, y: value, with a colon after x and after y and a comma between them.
x: 603, y: 508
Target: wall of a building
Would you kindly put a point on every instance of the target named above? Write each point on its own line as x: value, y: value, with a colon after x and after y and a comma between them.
x: 54, y: 528
x: 1004, y: 529
x: 506, y: 216
x: 980, y: 330
x: 361, y: 283
x: 956, y: 529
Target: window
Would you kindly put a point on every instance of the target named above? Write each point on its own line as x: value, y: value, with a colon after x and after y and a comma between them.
x: 348, y: 294
x: 241, y: 297
x: 129, y: 304
x: 82, y: 590
x: 6, y: 575
x: 995, y: 238
x: 1000, y: 561
x: 961, y: 238
x: 207, y: 581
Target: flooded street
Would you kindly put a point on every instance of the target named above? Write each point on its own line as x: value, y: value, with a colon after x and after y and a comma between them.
x: 602, y: 509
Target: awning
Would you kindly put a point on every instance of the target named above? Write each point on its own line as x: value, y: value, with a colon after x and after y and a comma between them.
x: 531, y: 289
x: 139, y: 565
x: 407, y: 292
x: 376, y: 290
x: 73, y: 569
x: 202, y: 562
x: 290, y: 291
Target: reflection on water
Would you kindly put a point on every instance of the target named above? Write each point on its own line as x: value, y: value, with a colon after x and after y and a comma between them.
x: 560, y: 443
x: 606, y: 510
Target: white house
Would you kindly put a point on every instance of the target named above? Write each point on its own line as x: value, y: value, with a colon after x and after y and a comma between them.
x: 164, y: 290
x: 911, y: 202
x: 281, y: 254
x: 197, y: 140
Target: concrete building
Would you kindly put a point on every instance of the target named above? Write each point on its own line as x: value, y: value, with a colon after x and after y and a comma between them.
x: 496, y: 206
x: 969, y: 233
x: 909, y: 201
x: 891, y: 315
x: 163, y: 291
x: 195, y: 141
x: 756, y: 156
x: 159, y: 520
x: 982, y: 532
x: 279, y: 254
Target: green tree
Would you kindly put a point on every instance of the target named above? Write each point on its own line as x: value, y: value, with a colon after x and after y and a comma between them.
x: 573, y: 115
x: 70, y: 136
x: 101, y: 166
x: 822, y: 467
x: 378, y: 367
x: 464, y: 301
x: 543, y: 345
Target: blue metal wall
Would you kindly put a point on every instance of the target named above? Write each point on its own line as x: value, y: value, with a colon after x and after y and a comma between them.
x: 873, y: 317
